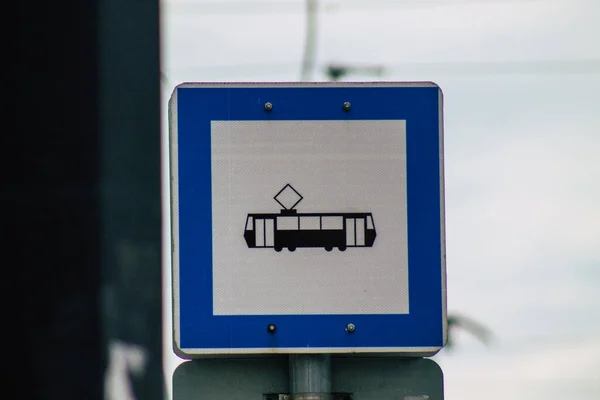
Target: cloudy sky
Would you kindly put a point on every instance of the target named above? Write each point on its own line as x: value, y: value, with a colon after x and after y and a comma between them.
x: 521, y: 80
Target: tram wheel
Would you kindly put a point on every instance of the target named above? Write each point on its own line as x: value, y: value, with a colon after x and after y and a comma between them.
x: 292, y: 248
x: 278, y: 249
x: 328, y: 248
x: 342, y: 248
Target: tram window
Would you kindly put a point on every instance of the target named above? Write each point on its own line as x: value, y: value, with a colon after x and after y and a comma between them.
x: 287, y: 223
x: 370, y: 222
x: 360, y: 231
x: 249, y: 224
x: 332, y: 222
x: 311, y: 223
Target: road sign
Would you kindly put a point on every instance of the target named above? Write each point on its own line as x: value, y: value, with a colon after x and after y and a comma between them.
x: 307, y: 218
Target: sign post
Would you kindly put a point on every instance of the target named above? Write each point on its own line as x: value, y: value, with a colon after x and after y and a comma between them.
x: 308, y: 222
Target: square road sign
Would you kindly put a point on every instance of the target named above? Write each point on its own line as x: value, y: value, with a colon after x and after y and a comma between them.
x: 307, y: 218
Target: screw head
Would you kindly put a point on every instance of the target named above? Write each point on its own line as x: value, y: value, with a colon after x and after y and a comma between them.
x: 346, y: 106
x: 268, y: 106
x: 271, y: 328
x: 350, y: 328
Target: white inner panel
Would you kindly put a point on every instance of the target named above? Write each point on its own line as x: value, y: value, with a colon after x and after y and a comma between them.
x: 338, y: 167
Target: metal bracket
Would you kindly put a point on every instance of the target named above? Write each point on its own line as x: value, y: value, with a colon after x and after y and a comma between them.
x: 307, y: 396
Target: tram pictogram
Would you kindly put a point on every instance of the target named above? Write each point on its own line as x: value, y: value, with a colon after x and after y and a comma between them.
x: 290, y: 229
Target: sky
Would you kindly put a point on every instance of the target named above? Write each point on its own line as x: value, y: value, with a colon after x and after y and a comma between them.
x: 522, y: 140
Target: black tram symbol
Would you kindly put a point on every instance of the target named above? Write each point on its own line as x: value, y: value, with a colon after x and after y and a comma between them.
x: 292, y: 230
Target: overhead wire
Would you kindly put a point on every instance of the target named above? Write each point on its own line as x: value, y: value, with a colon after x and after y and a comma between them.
x: 281, y: 7
x: 480, y: 68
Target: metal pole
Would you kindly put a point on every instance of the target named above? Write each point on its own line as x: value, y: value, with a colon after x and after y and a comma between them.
x: 310, y: 376
x: 311, y: 36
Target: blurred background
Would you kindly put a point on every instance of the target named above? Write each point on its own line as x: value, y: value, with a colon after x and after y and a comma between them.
x: 521, y: 80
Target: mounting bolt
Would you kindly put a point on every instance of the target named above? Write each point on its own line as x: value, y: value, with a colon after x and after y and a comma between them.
x: 271, y: 328
x: 268, y: 106
x: 350, y: 328
x: 346, y: 106
x: 286, y: 397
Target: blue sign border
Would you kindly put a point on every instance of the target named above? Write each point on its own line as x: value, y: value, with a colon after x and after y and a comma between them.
x: 196, y: 327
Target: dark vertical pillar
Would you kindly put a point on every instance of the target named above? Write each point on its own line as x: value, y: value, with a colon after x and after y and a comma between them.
x: 50, y: 198
x: 81, y: 201
x: 129, y: 105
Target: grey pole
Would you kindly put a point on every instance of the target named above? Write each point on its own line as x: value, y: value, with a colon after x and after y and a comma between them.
x: 310, y: 43
x: 310, y: 376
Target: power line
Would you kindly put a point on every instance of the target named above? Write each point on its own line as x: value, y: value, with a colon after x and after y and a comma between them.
x: 234, y: 7
x: 347, y: 5
x: 229, y: 68
x: 565, y: 66
x: 241, y: 7
x: 463, y: 68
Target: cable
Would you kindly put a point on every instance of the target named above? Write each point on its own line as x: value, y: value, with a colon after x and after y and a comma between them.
x: 480, y: 68
x: 232, y: 68
x: 233, y: 7
x: 566, y: 66
x: 281, y: 7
